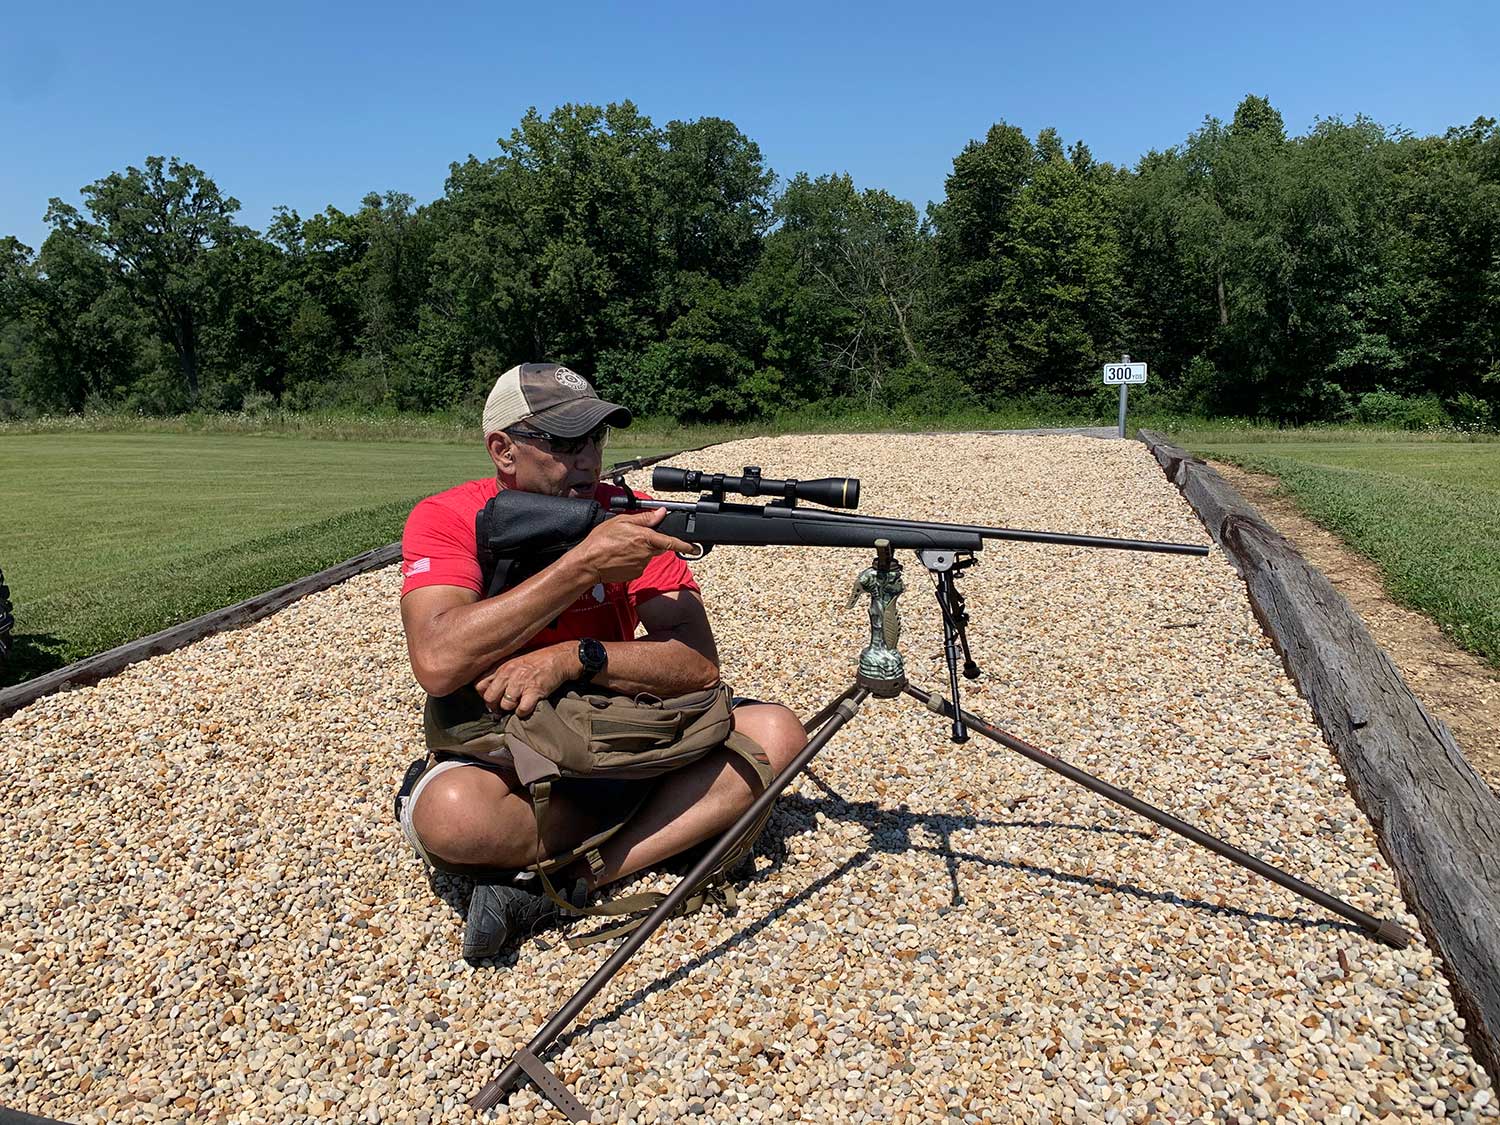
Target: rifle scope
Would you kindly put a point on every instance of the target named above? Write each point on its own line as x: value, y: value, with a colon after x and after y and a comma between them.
x: 835, y: 492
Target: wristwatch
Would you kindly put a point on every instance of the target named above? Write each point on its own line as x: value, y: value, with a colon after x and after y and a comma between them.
x: 593, y: 656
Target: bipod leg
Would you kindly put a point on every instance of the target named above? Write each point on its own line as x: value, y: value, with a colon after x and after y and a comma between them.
x: 1386, y: 931
x: 947, y: 593
x: 528, y: 1061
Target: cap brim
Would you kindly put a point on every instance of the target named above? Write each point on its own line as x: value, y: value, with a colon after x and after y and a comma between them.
x: 579, y: 416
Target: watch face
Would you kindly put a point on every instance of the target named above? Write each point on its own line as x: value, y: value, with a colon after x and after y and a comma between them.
x: 591, y: 654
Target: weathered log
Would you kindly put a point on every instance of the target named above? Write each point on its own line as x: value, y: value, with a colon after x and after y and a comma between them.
x: 95, y: 668
x: 1436, y: 820
x: 16, y: 1117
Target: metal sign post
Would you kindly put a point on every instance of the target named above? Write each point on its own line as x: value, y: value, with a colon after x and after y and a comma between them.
x: 1123, y: 374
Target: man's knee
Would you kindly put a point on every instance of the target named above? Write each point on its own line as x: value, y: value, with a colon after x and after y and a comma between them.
x: 457, y: 816
x: 775, y: 728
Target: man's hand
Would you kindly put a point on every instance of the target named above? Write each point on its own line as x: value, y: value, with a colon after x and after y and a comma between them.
x: 620, y: 547
x: 520, y: 683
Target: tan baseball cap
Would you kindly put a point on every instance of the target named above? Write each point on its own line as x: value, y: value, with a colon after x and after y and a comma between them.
x: 550, y: 397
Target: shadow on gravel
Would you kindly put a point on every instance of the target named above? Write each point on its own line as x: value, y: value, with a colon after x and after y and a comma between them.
x: 890, y: 829
x: 891, y: 833
x: 32, y: 655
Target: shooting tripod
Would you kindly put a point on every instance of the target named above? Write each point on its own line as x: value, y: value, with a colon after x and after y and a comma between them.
x: 882, y: 674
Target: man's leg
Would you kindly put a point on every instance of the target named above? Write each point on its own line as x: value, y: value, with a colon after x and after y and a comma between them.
x: 702, y: 800
x: 476, y: 816
x: 472, y: 815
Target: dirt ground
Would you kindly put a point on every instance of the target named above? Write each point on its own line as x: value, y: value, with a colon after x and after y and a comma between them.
x: 1455, y: 686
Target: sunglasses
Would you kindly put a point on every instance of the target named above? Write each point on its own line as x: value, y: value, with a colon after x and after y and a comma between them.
x: 561, y: 446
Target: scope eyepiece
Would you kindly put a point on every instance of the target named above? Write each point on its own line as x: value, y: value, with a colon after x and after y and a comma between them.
x: 835, y: 492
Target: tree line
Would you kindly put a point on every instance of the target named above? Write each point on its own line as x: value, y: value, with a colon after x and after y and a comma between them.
x: 1350, y: 271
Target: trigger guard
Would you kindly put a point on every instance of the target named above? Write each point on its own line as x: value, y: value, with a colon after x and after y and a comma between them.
x: 703, y: 549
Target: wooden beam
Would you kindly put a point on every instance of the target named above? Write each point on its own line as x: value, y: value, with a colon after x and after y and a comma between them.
x: 1436, y: 820
x: 95, y: 668
x: 16, y: 1117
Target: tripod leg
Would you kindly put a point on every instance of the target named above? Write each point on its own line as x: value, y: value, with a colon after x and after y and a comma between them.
x: 1386, y: 931
x: 821, y: 717
x: 528, y: 1061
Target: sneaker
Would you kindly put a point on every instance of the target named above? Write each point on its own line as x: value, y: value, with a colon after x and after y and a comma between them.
x: 500, y: 913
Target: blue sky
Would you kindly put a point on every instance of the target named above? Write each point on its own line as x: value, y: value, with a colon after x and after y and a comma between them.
x: 306, y: 105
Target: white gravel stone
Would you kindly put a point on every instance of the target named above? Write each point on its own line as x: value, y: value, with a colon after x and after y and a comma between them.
x: 209, y: 913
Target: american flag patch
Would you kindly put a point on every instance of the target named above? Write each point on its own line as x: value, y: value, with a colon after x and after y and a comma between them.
x: 417, y: 566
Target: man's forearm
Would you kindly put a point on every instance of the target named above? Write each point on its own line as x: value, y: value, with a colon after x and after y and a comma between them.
x: 478, y: 636
x: 661, y: 667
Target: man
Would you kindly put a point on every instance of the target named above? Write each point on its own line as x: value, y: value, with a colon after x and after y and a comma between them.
x: 544, y: 429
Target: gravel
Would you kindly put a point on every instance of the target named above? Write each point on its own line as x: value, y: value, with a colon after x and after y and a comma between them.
x: 209, y: 912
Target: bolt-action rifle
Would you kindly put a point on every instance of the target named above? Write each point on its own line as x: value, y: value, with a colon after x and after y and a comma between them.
x: 520, y: 533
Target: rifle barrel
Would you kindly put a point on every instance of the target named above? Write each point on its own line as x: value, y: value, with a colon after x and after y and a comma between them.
x: 811, y: 515
x: 1012, y: 533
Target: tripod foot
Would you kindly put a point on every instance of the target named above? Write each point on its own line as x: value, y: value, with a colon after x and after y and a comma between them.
x: 1393, y: 935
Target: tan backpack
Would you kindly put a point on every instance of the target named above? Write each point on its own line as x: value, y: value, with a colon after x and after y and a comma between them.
x: 600, y: 735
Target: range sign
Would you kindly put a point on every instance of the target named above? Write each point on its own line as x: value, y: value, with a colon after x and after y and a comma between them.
x: 1124, y: 374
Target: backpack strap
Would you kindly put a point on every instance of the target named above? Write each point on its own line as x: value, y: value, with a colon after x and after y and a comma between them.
x: 715, y: 885
x: 547, y: 748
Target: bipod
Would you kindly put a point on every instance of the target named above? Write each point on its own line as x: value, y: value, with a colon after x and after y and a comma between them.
x: 882, y: 674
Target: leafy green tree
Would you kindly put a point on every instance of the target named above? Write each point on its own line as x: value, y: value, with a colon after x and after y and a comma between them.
x: 705, y: 368
x: 1028, y: 247
x: 1055, y: 312
x: 715, y: 197
x: 858, y: 268
x: 588, y: 239
x: 971, y: 228
x: 1300, y: 277
x: 17, y: 278
x: 79, y: 341
x: 1169, y: 310
x: 1445, y: 219
x: 391, y: 290
x: 551, y: 248
x: 155, y: 229
x: 1256, y: 117
x: 244, y: 333
x: 1289, y: 236
x: 1343, y: 314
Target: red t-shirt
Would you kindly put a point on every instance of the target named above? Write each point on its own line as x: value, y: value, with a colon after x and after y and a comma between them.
x: 439, y: 548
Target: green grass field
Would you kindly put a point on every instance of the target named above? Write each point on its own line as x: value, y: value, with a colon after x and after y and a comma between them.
x: 1426, y: 512
x: 109, y: 537
x: 114, y: 528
